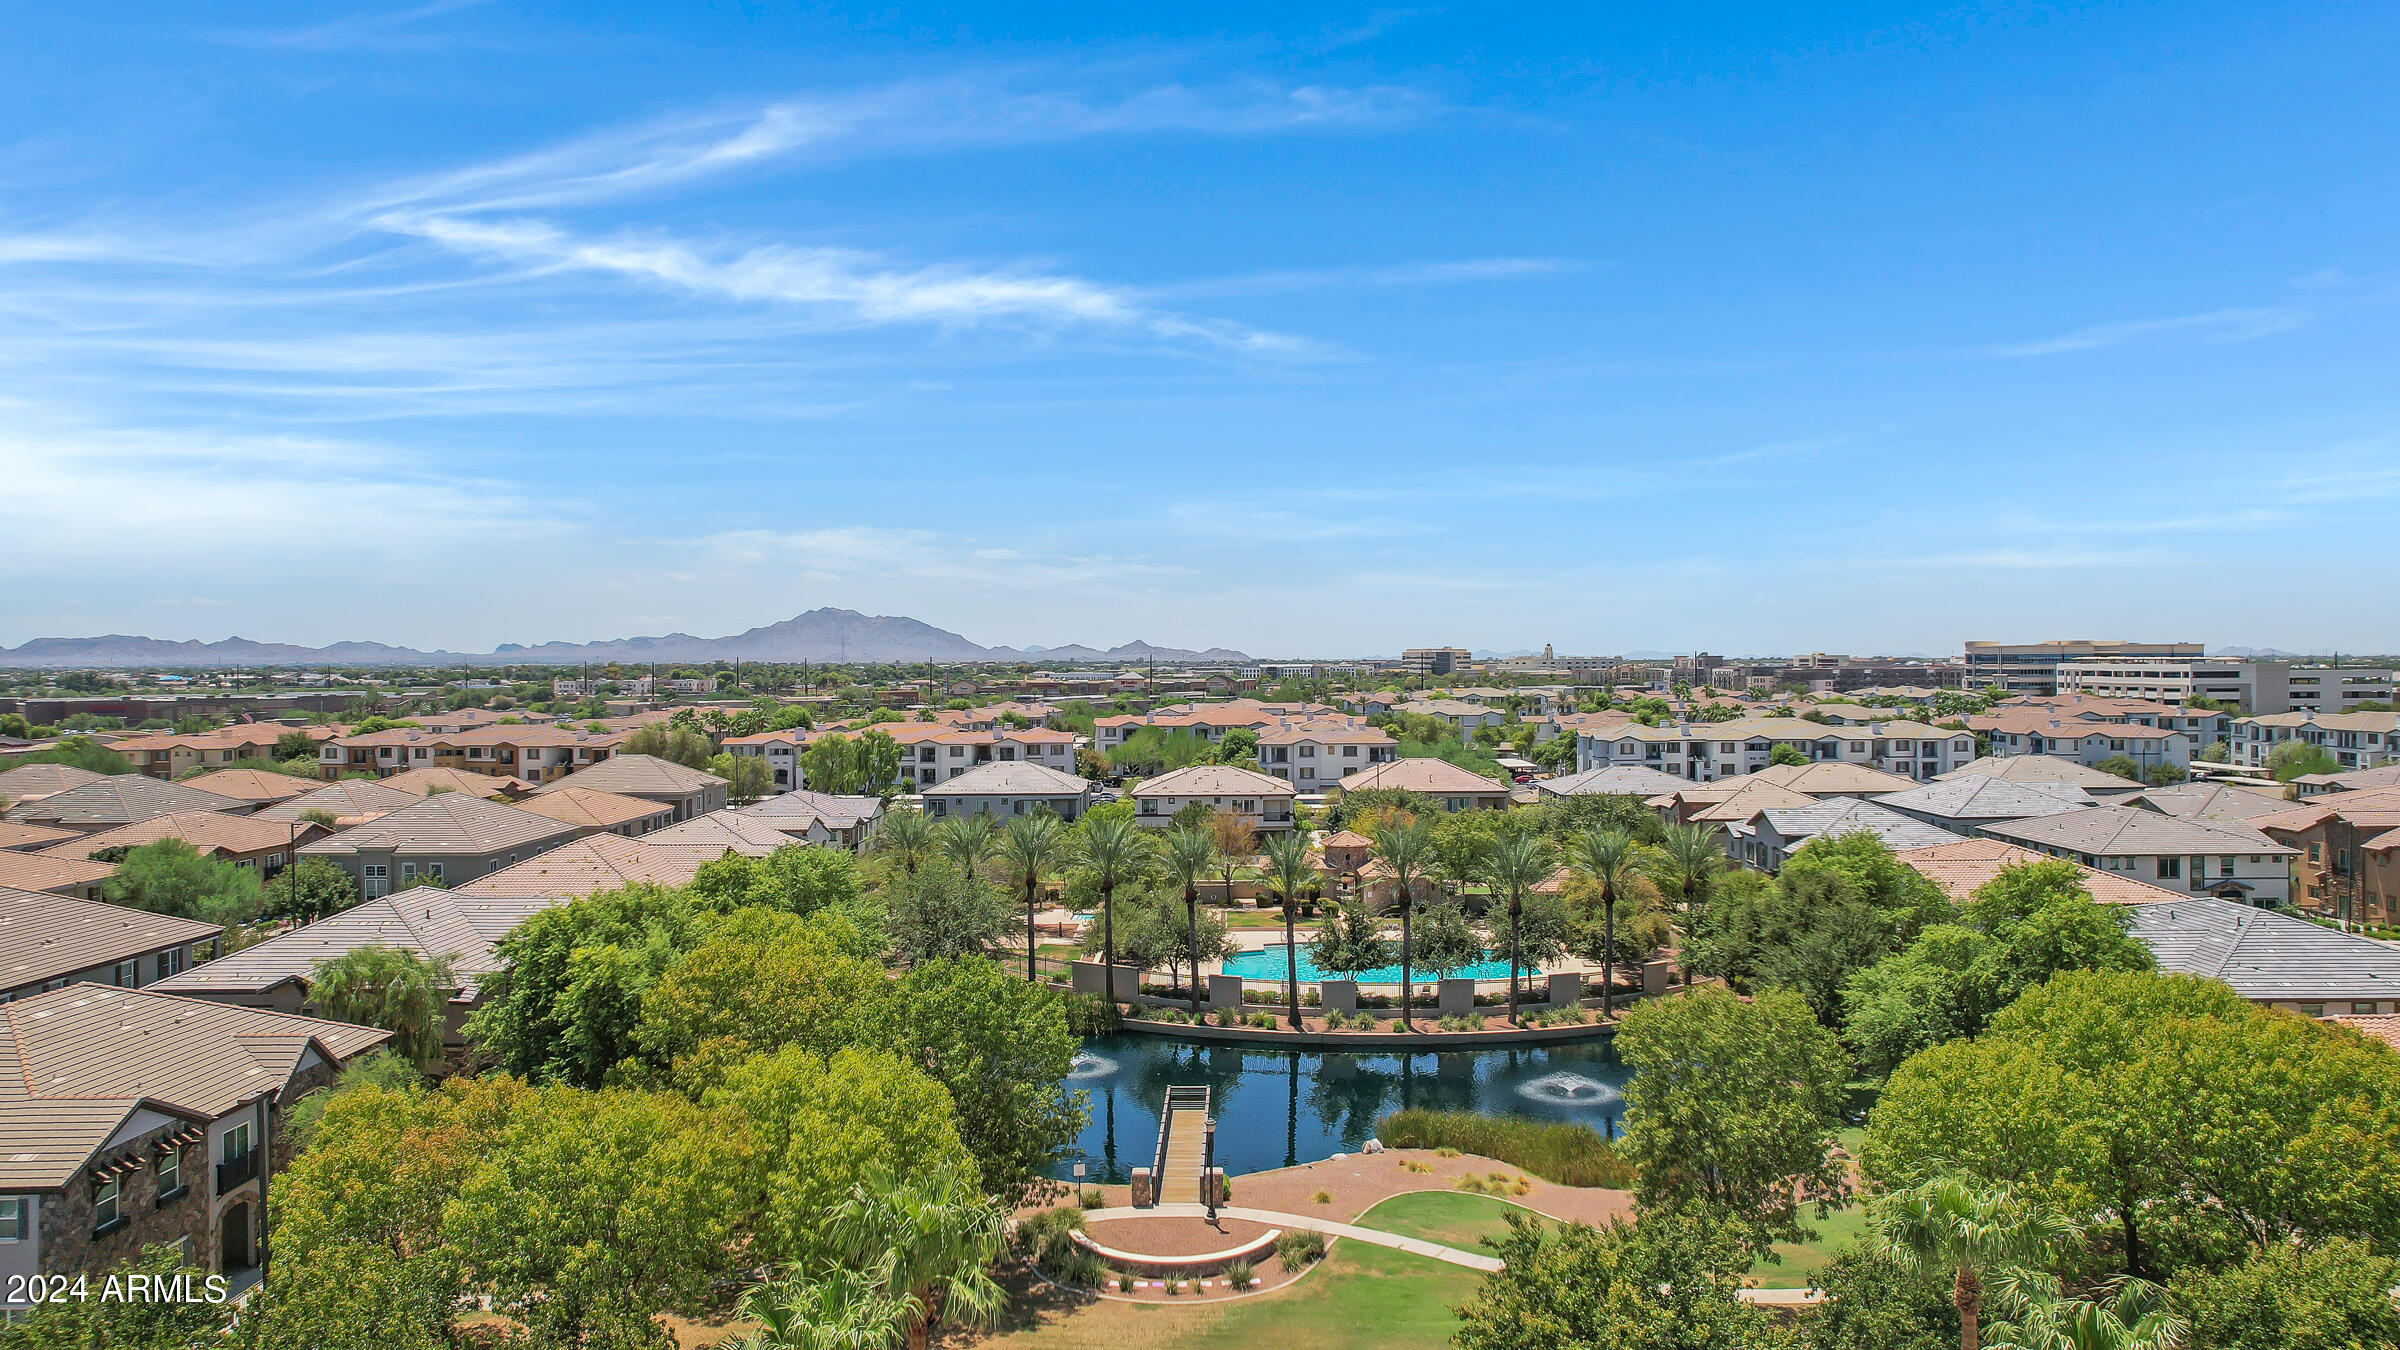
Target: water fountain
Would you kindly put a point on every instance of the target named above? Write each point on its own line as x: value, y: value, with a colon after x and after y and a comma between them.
x: 1565, y: 1087
x: 1088, y: 1066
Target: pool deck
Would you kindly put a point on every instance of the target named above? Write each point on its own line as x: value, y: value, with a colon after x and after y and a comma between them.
x: 1427, y: 1041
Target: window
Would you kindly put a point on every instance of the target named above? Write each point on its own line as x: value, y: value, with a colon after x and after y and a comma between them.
x: 12, y: 1218
x: 2363, y: 1006
x: 1308, y: 752
x: 2224, y: 867
x: 2312, y: 1010
x: 1349, y: 752
x: 2170, y: 868
x: 128, y: 974
x: 169, y: 1168
x: 235, y: 1144
x: 107, y: 1207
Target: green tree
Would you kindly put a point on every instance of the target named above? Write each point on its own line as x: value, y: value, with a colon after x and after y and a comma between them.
x: 1611, y: 859
x: 1291, y: 873
x: 2296, y: 759
x: 830, y: 1310
x: 2165, y: 774
x: 1971, y: 1232
x: 903, y: 835
x: 392, y: 988
x: 1732, y: 1109
x: 2128, y: 1314
x: 1872, y: 1302
x: 681, y: 745
x: 1031, y: 848
x: 1517, y: 863
x: 968, y: 842
x: 944, y: 911
x: 308, y: 891
x: 169, y: 876
x: 2120, y: 766
x: 567, y: 1000
x: 1664, y: 1283
x: 1446, y: 939
x: 133, y: 1324
x: 296, y: 745
x: 930, y: 1244
x: 2334, y: 1294
x: 757, y: 981
x: 1116, y: 849
x: 1687, y: 860
x: 747, y: 777
x: 1349, y: 940
x: 1786, y: 753
x: 80, y: 752
x: 1406, y: 848
x: 1188, y: 854
x: 827, y: 1124
x: 831, y: 763
x: 1003, y: 1049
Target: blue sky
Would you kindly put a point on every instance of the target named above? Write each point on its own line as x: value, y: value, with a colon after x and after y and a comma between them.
x: 1315, y: 330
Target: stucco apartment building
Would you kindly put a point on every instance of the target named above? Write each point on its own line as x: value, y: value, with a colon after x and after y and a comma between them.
x: 1315, y: 754
x: 531, y: 754
x: 1261, y: 801
x: 684, y: 791
x: 165, y: 755
x: 136, y: 1117
x: 1707, y: 751
x: 448, y: 840
x: 264, y: 846
x: 2357, y: 740
x: 2219, y: 858
x: 2083, y: 738
x: 51, y: 941
x: 2348, y: 862
x: 930, y: 752
x: 1451, y: 787
x: 1003, y: 790
x: 1207, y: 721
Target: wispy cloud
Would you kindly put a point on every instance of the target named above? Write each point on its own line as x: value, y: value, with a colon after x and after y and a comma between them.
x: 2217, y: 325
x: 382, y: 30
x: 1461, y: 271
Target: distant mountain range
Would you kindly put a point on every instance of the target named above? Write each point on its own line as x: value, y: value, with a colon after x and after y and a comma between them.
x: 828, y: 635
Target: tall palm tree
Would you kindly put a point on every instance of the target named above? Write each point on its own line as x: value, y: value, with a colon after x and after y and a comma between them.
x: 1029, y: 847
x: 2131, y: 1314
x: 392, y: 988
x: 1608, y: 857
x: 1290, y: 872
x: 968, y: 841
x: 1687, y: 857
x: 1407, y: 849
x: 931, y: 1244
x: 906, y: 835
x: 1952, y: 1226
x: 1189, y: 854
x: 1116, y: 848
x: 1517, y: 863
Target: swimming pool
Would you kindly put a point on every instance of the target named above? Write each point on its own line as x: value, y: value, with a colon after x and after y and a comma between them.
x: 1267, y: 964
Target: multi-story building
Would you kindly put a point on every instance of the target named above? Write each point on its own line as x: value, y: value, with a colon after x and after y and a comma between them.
x: 2348, y: 866
x: 683, y: 791
x: 2220, y: 858
x: 2252, y: 686
x: 1707, y: 751
x: 532, y: 754
x: 2032, y: 667
x: 1258, y: 800
x: 1315, y: 754
x: 445, y: 840
x: 1433, y: 661
x: 2332, y: 689
x: 50, y: 941
x: 2358, y: 740
x: 930, y: 752
x: 171, y: 756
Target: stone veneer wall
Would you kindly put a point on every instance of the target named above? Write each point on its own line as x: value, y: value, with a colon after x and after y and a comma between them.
x: 68, y: 1247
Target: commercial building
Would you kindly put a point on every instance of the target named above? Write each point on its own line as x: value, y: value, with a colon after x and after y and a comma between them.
x: 2032, y: 667
x: 1433, y: 661
x: 2252, y: 686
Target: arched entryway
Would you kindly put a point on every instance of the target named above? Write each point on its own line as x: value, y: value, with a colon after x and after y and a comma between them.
x: 235, y: 1249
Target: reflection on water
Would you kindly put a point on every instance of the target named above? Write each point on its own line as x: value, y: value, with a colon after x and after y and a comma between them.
x: 1279, y: 1108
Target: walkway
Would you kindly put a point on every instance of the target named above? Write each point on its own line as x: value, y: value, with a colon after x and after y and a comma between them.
x: 1773, y: 1298
x: 1186, y: 1128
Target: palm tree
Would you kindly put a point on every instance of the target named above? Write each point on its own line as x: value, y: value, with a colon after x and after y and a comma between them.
x: 968, y: 841
x: 1517, y: 863
x: 1116, y: 848
x: 841, y: 1310
x: 906, y: 835
x: 1406, y: 848
x: 1290, y: 872
x: 2133, y: 1314
x: 1190, y: 852
x: 1950, y: 1225
x: 929, y: 1245
x: 1029, y: 847
x: 1607, y: 856
x: 1687, y: 857
x: 389, y: 987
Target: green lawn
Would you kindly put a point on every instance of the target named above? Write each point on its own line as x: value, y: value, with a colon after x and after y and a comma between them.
x: 1452, y: 1218
x: 1802, y: 1261
x: 1364, y: 1298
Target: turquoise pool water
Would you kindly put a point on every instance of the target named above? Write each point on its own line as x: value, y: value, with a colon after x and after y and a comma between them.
x: 1267, y: 964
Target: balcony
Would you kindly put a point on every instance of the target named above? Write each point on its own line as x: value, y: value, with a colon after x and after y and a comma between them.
x: 234, y: 1171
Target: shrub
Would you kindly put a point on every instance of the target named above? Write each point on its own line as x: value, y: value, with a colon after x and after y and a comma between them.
x: 1300, y: 1248
x: 1471, y: 1183
x: 1570, y: 1155
x: 1174, y: 1287
x: 1266, y: 1020
x: 1124, y: 1283
x: 1092, y: 1015
x: 1240, y: 1275
x: 1081, y: 1268
x: 1092, y: 1198
x: 1321, y: 1198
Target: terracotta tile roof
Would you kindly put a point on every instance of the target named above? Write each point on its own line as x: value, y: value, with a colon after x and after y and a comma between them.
x: 599, y: 862
x: 1962, y: 868
x: 593, y: 809
x: 1212, y: 780
x: 448, y: 822
x: 636, y: 775
x: 45, y: 936
x: 124, y: 799
x: 1827, y: 778
x: 253, y: 785
x: 2213, y: 801
x: 207, y: 831
x: 1434, y: 777
x: 2384, y: 1027
x: 1750, y: 796
x: 353, y: 800
x: 33, y: 872
x: 77, y: 1062
x: 2045, y: 769
x: 735, y: 832
x: 422, y: 782
x: 1615, y: 780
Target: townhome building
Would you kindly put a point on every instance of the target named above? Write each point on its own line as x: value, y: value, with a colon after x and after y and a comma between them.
x: 164, y: 755
x: 445, y: 840
x: 2103, y: 787
x: 685, y: 792
x: 2202, y: 857
x: 1004, y: 789
x: 2348, y: 864
x: 1707, y: 751
x: 258, y: 787
x: 930, y: 752
x: 1260, y: 801
x: 1315, y: 754
x: 353, y: 801
x: 2082, y: 739
x: 2356, y: 740
x: 1769, y: 841
x: 1450, y: 787
x: 76, y: 878
x: 1207, y: 721
x: 32, y: 782
x: 51, y: 941
x: 818, y: 817
x: 2274, y: 960
x: 119, y: 799
x: 1964, y: 805
x: 264, y: 846
x: 604, y: 862
x: 593, y: 811
x: 1963, y: 868
x: 532, y: 754
x: 138, y: 1118
x: 1463, y: 716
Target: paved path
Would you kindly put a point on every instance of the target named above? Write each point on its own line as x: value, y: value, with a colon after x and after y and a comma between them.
x: 1771, y: 1298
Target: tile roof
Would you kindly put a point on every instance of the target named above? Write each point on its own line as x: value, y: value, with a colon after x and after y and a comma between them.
x: 1962, y: 868
x: 77, y: 1062
x: 1838, y: 816
x: 2384, y: 1027
x: 33, y: 872
x: 2120, y: 831
x: 593, y: 809
x: 638, y: 775
x: 123, y: 799
x: 598, y: 862
x: 802, y: 805
x: 1613, y: 780
x: 447, y: 822
x: 1987, y: 799
x: 1751, y: 795
x: 253, y: 785
x: 1827, y: 778
x: 2354, y: 780
x: 1011, y: 779
x: 15, y: 836
x: 422, y: 782
x: 1434, y: 777
x: 1213, y: 780
x: 2045, y: 769
x: 2264, y: 955
x: 41, y: 780
x: 206, y: 831
x: 44, y: 936
x: 352, y: 799
x: 2212, y: 801
x: 426, y: 920
x: 735, y: 832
